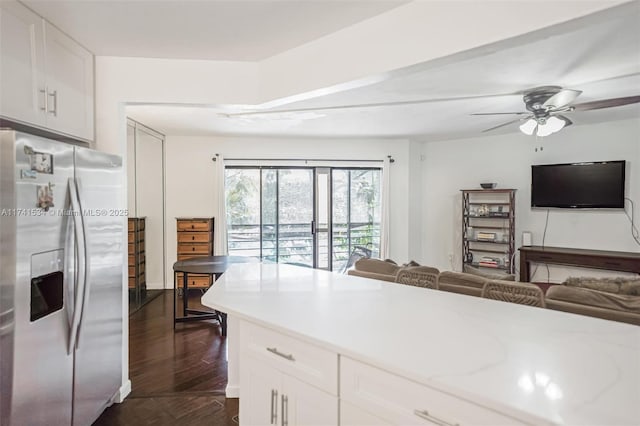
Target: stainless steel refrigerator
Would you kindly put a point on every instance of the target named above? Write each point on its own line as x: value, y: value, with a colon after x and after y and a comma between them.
x: 61, y: 281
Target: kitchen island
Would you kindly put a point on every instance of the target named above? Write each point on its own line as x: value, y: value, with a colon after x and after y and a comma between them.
x: 315, y: 347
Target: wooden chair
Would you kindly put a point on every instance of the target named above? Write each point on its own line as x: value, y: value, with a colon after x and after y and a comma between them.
x: 514, y: 292
x: 419, y: 276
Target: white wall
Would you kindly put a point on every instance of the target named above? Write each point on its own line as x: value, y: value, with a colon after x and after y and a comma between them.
x: 506, y: 159
x: 191, y: 181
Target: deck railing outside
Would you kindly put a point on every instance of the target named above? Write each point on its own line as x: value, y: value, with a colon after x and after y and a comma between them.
x: 294, y: 242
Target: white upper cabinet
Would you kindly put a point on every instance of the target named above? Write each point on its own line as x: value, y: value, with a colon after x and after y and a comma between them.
x: 69, y: 84
x: 46, y: 77
x: 22, y: 80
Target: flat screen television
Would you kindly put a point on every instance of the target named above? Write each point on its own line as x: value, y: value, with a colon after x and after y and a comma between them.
x: 578, y: 185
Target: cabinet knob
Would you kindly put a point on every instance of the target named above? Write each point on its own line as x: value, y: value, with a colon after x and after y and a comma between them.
x: 193, y: 249
x: 193, y: 238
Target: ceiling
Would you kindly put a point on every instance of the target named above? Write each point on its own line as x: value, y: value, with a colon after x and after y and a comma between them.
x: 231, y: 30
x: 598, y: 54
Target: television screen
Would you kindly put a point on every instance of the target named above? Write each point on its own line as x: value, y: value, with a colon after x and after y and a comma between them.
x: 578, y: 185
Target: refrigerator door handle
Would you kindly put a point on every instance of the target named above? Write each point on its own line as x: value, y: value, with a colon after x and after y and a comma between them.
x: 86, y: 283
x: 80, y: 265
x: 68, y: 264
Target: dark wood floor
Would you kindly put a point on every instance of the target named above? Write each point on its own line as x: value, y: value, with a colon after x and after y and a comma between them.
x: 178, y: 377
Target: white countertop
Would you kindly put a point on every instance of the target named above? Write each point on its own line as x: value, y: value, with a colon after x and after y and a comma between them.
x: 534, y: 363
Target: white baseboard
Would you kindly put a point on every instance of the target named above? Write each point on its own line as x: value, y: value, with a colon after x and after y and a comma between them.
x: 232, y: 391
x: 122, y: 393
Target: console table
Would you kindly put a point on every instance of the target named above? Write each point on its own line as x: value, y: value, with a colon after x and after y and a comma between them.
x: 597, y: 259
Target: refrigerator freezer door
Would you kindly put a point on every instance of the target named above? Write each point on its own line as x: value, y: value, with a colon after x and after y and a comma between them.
x: 7, y: 270
x: 98, y: 357
x: 43, y: 370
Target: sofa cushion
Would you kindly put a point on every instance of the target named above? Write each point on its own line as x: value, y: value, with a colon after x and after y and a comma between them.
x: 620, y: 285
x: 600, y: 299
x: 488, y: 275
x: 376, y: 266
x: 461, y: 279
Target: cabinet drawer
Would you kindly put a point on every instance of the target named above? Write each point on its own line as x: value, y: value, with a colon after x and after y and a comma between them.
x: 132, y: 270
x: 194, y: 225
x: 132, y: 281
x: 190, y: 256
x: 305, y: 361
x: 194, y: 237
x: 194, y: 281
x: 195, y: 248
x: 132, y: 225
x: 402, y: 401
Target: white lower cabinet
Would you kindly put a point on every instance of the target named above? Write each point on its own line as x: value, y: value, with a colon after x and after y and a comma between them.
x: 287, y: 381
x: 284, y: 381
x: 374, y: 396
x: 350, y: 415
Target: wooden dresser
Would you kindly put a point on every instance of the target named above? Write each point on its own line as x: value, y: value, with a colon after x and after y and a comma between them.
x: 195, y: 239
x: 136, y: 253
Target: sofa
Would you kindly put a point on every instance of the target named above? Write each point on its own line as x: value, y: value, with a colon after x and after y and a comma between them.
x: 615, y: 299
x: 470, y: 282
x: 377, y: 269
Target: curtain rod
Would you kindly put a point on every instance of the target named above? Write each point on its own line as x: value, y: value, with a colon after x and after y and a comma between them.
x: 391, y: 160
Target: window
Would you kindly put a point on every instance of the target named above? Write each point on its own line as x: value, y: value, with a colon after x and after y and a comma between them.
x: 302, y: 215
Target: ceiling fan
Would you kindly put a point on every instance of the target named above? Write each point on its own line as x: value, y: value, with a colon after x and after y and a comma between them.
x: 546, y: 106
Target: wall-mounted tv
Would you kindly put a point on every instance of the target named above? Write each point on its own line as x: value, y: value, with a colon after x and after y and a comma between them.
x: 578, y: 185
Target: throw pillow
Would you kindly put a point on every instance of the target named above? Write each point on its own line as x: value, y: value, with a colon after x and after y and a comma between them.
x: 488, y: 275
x: 619, y: 285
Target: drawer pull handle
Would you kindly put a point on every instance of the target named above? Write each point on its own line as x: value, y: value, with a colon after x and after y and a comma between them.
x: 277, y: 352
x: 285, y: 411
x: 424, y: 414
x: 274, y: 407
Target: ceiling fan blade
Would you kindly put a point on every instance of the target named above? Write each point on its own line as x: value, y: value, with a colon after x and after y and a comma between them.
x: 506, y: 124
x: 606, y: 103
x: 499, y: 113
x: 562, y: 98
x: 567, y: 122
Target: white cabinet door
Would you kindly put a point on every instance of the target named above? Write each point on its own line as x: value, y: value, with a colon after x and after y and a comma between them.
x: 260, y: 393
x: 350, y: 415
x: 305, y: 405
x: 69, y: 85
x: 22, y: 82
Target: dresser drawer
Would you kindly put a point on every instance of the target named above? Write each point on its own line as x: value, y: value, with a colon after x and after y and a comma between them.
x: 194, y: 225
x: 194, y: 237
x: 190, y: 256
x: 132, y: 270
x: 402, y: 401
x: 195, y: 248
x: 194, y: 280
x: 305, y: 361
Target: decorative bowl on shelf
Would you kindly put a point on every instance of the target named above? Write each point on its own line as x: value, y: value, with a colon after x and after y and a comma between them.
x: 488, y: 185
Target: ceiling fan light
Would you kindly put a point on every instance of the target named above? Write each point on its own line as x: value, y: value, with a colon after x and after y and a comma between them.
x: 556, y: 124
x: 528, y: 126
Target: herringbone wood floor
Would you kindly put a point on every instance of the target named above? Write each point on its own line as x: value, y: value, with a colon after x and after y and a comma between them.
x: 178, y: 377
